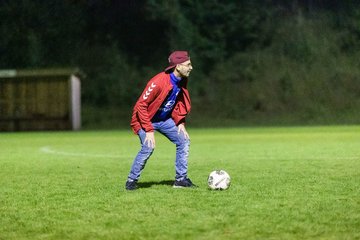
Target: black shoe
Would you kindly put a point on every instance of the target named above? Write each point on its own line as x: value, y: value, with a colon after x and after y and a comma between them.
x: 186, y: 182
x: 131, y: 185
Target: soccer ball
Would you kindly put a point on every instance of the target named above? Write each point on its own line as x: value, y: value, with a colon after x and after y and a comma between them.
x: 219, y: 180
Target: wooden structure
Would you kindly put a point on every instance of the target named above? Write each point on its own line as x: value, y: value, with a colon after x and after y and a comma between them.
x: 42, y: 99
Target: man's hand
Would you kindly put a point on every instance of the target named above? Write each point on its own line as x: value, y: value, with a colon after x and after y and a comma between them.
x: 150, y: 139
x: 181, y: 129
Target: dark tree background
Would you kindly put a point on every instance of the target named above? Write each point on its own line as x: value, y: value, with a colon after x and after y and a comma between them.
x: 255, y: 62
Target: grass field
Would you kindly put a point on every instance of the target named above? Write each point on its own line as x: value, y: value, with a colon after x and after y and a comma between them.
x: 287, y: 183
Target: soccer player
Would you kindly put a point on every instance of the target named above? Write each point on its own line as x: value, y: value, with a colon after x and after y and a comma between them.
x: 163, y: 106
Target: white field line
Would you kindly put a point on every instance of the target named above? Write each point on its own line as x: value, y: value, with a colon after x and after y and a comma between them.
x: 49, y: 150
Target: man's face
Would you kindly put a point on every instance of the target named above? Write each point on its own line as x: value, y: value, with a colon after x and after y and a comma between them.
x: 184, y: 68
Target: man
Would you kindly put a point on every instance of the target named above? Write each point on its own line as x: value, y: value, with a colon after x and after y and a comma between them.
x: 163, y: 106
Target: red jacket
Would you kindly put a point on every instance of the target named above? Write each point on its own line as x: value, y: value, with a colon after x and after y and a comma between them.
x: 151, y: 99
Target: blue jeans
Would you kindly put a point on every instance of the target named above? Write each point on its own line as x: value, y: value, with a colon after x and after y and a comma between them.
x: 169, y: 130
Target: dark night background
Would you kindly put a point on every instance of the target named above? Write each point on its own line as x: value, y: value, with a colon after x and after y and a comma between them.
x: 255, y: 62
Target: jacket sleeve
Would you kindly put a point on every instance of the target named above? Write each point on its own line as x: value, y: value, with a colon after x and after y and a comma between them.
x: 149, y: 94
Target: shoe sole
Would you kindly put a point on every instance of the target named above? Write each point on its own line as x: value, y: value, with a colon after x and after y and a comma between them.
x: 184, y: 186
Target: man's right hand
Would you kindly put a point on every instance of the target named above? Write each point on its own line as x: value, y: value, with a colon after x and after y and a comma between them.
x: 150, y: 139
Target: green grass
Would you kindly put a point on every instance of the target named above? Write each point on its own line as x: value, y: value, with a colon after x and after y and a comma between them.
x: 287, y: 183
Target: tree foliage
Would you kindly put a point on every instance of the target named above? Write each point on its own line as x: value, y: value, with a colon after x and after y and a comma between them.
x: 253, y: 60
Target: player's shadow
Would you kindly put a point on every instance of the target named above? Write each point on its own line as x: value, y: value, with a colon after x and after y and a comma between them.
x: 150, y: 184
